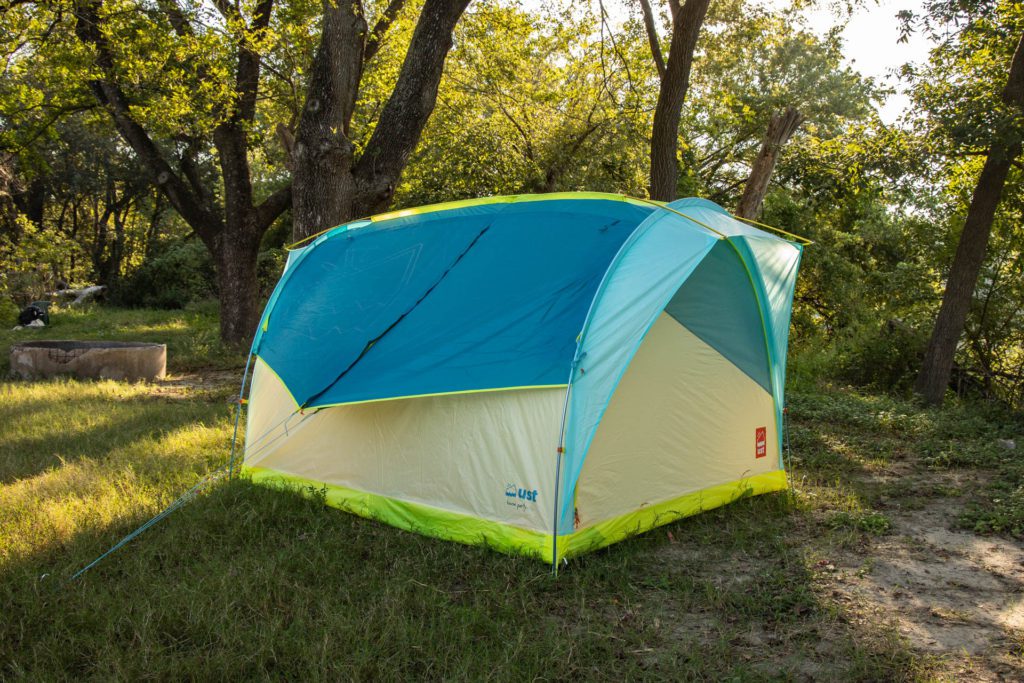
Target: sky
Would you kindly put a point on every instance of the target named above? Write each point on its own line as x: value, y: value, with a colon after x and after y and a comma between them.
x: 870, y: 44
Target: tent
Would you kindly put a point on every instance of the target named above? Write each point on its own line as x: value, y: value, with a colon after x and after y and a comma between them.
x: 542, y: 374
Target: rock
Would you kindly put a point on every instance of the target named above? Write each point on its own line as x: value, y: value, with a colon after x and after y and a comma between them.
x: 1008, y: 444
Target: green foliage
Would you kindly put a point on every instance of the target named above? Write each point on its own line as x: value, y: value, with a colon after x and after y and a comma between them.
x: 269, y: 267
x: 883, y: 355
x: 182, y: 272
x: 1000, y: 512
x: 31, y: 262
x: 536, y: 102
x: 8, y: 313
x: 874, y: 523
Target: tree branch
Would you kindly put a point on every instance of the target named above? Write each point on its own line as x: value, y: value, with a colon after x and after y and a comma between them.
x: 248, y: 71
x: 272, y: 207
x: 227, y: 10
x: 376, y: 37
x: 652, y: 37
x: 109, y: 93
x: 410, y: 105
x: 179, y: 22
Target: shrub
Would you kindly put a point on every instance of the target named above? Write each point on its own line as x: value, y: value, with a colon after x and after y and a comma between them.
x: 269, y: 267
x: 32, y: 261
x: 179, y: 274
x: 8, y: 313
x: 884, y: 356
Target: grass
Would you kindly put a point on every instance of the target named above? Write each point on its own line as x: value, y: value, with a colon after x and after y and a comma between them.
x: 248, y: 582
x: 191, y: 334
x: 838, y: 433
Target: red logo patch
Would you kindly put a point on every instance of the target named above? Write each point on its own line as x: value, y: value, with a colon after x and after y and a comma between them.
x: 761, y: 442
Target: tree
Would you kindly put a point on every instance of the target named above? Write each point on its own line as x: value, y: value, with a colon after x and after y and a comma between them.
x: 754, y: 66
x: 535, y: 102
x: 232, y: 225
x: 332, y: 185
x: 780, y: 129
x: 196, y: 89
x: 687, y: 19
x: 1000, y: 124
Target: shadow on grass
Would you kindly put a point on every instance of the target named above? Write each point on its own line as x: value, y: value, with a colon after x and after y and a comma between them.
x: 89, y: 422
x: 254, y: 582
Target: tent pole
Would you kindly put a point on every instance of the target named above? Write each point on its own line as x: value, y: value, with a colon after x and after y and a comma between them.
x: 558, y: 462
x: 238, y: 413
x: 554, y: 524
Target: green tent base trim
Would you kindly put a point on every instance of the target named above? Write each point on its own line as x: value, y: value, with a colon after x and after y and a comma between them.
x: 455, y: 526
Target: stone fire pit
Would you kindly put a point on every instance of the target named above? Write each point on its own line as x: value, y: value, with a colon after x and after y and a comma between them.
x: 130, y: 361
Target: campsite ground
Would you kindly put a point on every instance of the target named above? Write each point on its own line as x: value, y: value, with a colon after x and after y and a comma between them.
x: 897, y: 557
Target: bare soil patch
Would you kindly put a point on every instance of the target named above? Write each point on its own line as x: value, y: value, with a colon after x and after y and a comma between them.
x: 188, y: 385
x: 950, y: 593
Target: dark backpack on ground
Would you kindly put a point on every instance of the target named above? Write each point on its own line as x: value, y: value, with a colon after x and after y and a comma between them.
x: 33, y: 312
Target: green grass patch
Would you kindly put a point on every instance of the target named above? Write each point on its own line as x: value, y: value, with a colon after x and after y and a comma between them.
x: 848, y: 434
x: 874, y: 523
x: 252, y: 582
x: 192, y: 335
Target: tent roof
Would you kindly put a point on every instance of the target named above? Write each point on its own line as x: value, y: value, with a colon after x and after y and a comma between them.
x: 469, y: 296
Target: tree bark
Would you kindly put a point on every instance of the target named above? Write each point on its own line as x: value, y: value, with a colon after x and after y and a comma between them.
x: 237, y: 286
x: 322, y: 155
x: 780, y: 129
x: 940, y: 353
x: 330, y: 186
x: 686, y: 24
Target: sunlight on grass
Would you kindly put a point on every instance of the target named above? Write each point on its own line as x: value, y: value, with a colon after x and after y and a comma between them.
x: 80, y: 457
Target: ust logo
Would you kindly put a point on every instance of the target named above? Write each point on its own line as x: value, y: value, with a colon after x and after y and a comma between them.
x: 518, y: 497
x: 761, y: 442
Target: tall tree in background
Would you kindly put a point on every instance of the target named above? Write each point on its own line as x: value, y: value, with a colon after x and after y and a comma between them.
x: 970, y: 253
x: 687, y: 19
x: 232, y: 225
x: 1003, y: 148
x: 781, y: 127
x: 330, y: 184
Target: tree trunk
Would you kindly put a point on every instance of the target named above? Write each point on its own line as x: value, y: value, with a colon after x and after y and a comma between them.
x: 963, y: 275
x: 117, y: 248
x: 232, y: 230
x: 970, y: 252
x: 780, y: 129
x: 330, y: 187
x: 237, y: 286
x: 686, y: 24
x: 322, y: 156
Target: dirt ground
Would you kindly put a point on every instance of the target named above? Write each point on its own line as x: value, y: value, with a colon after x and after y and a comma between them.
x: 184, y: 385
x: 950, y: 593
